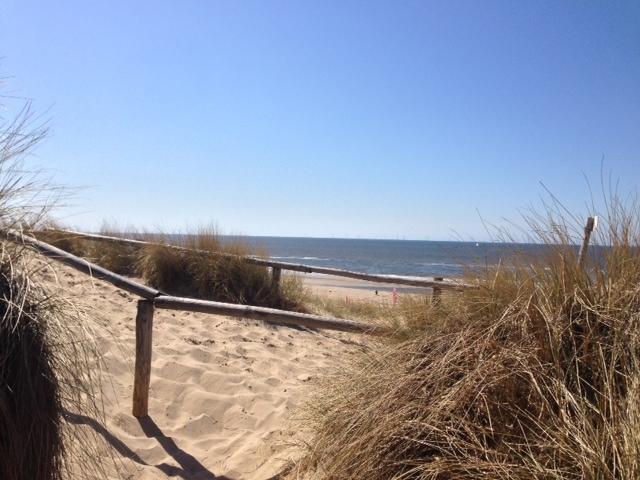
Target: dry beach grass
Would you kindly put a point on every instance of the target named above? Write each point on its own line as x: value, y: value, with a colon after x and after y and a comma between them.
x: 49, y: 364
x: 204, y: 267
x: 534, y: 374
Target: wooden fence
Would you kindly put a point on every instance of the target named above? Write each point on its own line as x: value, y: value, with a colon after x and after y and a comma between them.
x: 152, y: 299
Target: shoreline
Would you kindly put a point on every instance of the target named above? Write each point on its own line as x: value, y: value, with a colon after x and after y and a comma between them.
x: 341, y: 287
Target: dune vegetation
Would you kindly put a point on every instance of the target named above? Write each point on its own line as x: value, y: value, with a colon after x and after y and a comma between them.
x: 533, y: 374
x: 211, y: 269
x: 205, y: 267
x: 49, y: 365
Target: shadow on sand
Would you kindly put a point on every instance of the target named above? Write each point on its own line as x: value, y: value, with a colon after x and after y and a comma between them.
x: 190, y: 468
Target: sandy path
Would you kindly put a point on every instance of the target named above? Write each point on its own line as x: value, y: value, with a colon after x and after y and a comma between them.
x: 222, y: 390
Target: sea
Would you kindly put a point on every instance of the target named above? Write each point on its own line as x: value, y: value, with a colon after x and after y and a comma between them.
x: 417, y: 258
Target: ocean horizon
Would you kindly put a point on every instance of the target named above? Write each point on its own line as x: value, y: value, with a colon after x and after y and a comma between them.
x: 420, y: 258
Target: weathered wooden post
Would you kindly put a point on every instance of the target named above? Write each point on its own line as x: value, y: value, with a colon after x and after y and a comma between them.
x: 144, y: 334
x: 592, y: 224
x: 437, y: 291
x: 275, y: 279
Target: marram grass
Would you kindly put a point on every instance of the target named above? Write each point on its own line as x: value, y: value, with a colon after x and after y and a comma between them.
x: 206, y: 267
x: 534, y: 374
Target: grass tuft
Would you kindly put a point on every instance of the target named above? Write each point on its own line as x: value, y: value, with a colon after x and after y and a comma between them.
x: 212, y: 270
x: 206, y: 266
x: 31, y: 438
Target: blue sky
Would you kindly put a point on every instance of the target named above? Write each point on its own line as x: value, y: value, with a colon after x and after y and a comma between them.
x: 327, y: 118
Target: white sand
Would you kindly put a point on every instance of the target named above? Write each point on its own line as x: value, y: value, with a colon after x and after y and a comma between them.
x: 222, y: 390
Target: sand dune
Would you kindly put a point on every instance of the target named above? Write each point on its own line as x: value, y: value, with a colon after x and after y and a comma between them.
x: 222, y: 390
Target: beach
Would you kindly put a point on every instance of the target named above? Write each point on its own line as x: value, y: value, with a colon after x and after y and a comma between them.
x: 342, y: 288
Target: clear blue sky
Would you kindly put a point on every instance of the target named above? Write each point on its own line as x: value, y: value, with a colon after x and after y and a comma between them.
x: 345, y: 118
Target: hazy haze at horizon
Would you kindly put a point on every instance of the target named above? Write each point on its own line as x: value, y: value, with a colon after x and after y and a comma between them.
x: 327, y: 119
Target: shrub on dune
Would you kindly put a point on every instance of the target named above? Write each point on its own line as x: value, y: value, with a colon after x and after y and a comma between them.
x: 204, y: 267
x: 121, y: 259
x: 210, y: 269
x: 49, y: 369
x: 118, y: 258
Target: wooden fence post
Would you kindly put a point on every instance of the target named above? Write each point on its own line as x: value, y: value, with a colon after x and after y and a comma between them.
x: 275, y: 279
x: 144, y: 334
x: 592, y: 224
x: 435, y: 298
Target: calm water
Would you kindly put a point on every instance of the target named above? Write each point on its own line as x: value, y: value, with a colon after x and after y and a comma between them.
x: 397, y: 257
